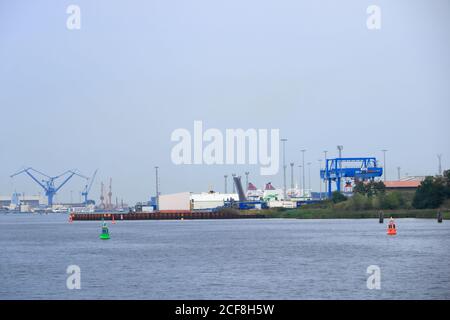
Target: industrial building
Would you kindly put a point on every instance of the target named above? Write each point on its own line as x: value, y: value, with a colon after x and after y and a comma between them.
x: 17, y: 200
x: 211, y: 200
x: 187, y: 201
x: 251, y: 198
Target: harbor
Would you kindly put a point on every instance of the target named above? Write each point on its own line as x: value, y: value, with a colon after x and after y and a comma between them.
x: 218, y: 154
x: 364, y: 194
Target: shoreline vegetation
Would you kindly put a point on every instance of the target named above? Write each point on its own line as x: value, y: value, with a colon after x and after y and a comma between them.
x: 361, y: 214
x: 369, y: 198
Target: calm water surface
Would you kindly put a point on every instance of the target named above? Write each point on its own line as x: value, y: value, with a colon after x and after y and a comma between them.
x: 223, y: 259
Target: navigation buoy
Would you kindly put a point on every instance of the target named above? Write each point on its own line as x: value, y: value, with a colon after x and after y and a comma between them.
x: 392, y: 228
x: 105, y: 232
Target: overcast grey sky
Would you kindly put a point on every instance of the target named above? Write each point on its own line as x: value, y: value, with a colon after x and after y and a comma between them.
x: 109, y: 95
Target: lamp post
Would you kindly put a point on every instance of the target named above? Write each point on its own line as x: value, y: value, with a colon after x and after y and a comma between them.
x: 283, y: 140
x: 320, y: 182
x: 292, y: 176
x: 303, y: 169
x: 325, y: 164
x: 300, y: 177
x: 157, y: 187
x: 226, y: 178
x: 384, y: 164
x: 309, y: 177
x: 340, y: 148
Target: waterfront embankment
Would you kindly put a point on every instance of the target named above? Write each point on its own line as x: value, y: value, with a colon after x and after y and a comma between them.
x: 327, y: 213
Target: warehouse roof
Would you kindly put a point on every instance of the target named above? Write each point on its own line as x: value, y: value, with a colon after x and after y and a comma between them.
x: 402, y: 184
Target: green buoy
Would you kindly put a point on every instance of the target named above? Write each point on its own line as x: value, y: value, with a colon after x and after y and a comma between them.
x: 105, y: 232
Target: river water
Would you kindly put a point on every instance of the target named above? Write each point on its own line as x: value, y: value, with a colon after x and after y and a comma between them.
x: 223, y: 259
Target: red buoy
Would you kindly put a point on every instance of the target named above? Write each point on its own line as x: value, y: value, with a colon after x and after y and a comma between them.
x: 392, y: 228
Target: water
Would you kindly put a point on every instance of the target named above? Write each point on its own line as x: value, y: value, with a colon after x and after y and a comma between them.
x: 223, y: 259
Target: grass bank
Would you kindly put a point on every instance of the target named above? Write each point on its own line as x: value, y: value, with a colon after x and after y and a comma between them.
x: 327, y: 213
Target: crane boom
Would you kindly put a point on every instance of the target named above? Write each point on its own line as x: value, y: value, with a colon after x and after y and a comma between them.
x: 87, y: 188
x: 92, y: 180
x: 65, y: 181
x: 49, y: 184
x: 27, y: 171
x: 41, y: 173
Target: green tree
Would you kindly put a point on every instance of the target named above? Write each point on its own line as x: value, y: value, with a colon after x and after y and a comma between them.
x: 379, y: 187
x: 392, y: 200
x: 446, y: 176
x: 359, y: 187
x: 337, y: 197
x: 371, y: 188
x: 431, y: 193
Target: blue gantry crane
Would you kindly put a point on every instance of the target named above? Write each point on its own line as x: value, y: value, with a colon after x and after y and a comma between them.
x: 364, y: 168
x: 49, y: 184
x: 87, y: 188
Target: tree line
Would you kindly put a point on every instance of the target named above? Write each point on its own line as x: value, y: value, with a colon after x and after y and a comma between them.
x: 431, y: 194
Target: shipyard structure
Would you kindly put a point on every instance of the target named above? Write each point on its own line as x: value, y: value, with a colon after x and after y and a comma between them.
x: 338, y: 174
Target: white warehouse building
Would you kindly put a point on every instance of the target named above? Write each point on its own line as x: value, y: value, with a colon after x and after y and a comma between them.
x: 186, y: 201
x: 211, y: 200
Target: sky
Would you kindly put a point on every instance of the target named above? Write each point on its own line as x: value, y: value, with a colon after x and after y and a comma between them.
x: 109, y: 95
